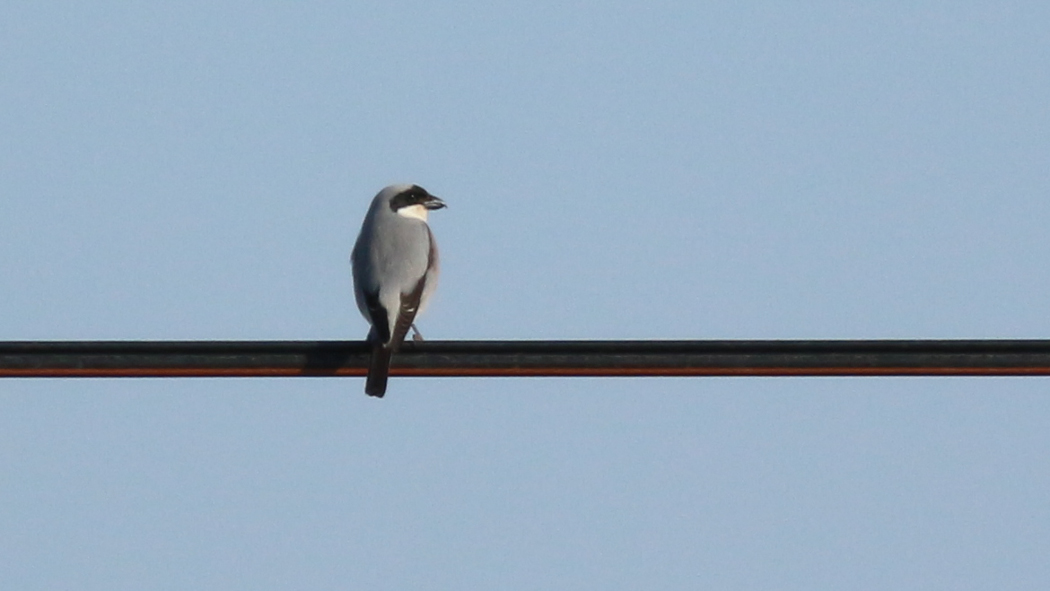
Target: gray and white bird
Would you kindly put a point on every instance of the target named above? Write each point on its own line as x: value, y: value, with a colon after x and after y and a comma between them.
x: 395, y: 268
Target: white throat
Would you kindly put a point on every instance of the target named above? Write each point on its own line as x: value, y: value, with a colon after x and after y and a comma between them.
x: 413, y: 211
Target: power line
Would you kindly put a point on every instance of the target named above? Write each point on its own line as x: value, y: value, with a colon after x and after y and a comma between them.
x: 57, y: 359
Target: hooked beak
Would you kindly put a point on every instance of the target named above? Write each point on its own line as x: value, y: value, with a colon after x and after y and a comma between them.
x: 433, y: 202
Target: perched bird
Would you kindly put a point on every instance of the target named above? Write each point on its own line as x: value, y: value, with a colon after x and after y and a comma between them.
x: 395, y: 267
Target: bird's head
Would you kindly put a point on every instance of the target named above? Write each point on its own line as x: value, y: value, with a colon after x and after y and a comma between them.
x: 412, y: 201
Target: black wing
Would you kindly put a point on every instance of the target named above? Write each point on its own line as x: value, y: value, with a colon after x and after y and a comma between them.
x: 378, y: 315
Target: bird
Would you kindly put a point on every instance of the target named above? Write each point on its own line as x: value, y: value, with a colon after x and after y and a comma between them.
x: 395, y: 271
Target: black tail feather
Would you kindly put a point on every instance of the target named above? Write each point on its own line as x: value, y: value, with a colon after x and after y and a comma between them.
x: 378, y: 370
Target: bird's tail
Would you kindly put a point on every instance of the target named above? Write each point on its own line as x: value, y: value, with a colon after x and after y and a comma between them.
x: 378, y: 370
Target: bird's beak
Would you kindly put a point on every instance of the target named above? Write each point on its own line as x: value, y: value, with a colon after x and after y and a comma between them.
x: 434, y: 203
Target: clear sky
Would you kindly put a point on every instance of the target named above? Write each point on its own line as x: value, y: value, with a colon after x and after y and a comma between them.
x: 613, y: 170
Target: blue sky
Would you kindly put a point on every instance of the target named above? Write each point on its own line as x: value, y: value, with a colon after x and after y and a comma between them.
x: 613, y: 170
